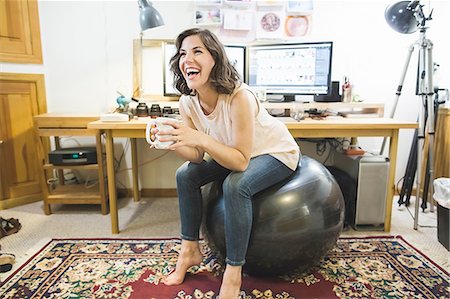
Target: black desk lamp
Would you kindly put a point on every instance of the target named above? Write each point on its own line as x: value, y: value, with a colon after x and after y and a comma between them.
x: 149, y: 17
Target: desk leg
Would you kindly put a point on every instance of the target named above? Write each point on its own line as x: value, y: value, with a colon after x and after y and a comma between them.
x: 111, y: 182
x: 134, y: 167
x: 393, y: 147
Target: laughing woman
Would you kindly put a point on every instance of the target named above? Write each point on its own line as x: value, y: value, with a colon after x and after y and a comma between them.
x: 226, y: 135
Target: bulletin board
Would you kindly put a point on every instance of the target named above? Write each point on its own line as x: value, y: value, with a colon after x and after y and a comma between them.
x: 254, y: 20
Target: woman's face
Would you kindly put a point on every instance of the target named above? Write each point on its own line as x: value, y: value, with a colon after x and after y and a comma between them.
x: 196, y: 62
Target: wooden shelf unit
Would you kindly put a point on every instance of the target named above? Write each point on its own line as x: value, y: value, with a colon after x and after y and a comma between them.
x: 57, y: 126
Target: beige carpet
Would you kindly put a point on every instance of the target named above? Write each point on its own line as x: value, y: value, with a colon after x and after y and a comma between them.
x: 158, y: 217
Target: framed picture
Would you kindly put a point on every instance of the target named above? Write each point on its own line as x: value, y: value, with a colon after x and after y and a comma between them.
x: 208, y: 16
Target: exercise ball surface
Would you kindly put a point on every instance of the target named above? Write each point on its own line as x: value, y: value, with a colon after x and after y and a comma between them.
x: 295, y: 222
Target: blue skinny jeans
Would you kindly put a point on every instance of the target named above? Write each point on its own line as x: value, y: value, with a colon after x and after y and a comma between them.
x: 238, y: 189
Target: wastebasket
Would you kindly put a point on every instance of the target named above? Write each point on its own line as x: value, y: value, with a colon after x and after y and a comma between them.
x: 442, y: 197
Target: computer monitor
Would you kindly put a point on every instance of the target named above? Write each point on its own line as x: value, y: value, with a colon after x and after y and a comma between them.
x: 235, y: 54
x: 291, y: 69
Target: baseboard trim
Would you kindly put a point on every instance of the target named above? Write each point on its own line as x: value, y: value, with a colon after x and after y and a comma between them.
x: 149, y: 192
x: 19, y: 201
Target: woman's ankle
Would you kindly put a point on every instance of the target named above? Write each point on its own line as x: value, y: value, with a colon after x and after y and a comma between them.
x: 233, y: 272
x: 231, y: 282
x: 190, y: 247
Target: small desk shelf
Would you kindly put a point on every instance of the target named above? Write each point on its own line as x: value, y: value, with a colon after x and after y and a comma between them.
x: 57, y: 126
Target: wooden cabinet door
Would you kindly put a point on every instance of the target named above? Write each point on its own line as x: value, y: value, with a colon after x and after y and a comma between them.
x: 21, y: 97
x: 20, y: 40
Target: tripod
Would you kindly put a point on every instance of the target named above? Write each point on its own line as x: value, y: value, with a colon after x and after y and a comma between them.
x: 425, y: 90
x: 410, y: 172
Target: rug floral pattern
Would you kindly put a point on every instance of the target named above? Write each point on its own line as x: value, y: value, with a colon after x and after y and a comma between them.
x: 381, y: 267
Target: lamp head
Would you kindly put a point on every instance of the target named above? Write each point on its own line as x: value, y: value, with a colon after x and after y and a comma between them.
x: 401, y: 16
x: 149, y: 17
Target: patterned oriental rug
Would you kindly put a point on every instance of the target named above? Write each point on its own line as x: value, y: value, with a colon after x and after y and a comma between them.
x: 374, y: 267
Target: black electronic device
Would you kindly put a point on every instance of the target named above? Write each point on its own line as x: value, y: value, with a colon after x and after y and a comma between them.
x: 73, y: 156
x: 333, y: 96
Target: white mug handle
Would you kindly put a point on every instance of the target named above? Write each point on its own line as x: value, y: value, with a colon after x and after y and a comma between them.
x: 147, y: 133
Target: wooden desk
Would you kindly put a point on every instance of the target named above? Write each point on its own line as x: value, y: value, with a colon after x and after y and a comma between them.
x: 308, y: 128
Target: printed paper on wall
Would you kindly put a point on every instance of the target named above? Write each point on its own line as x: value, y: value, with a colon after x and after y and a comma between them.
x: 237, y: 19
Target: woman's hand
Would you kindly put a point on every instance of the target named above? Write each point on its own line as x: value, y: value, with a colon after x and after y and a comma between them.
x: 181, y: 135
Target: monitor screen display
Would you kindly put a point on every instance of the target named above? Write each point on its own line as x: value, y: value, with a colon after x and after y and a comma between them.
x: 235, y: 54
x: 291, y: 69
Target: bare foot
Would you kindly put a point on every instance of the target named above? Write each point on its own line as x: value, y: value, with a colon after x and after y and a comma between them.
x: 231, y: 282
x: 190, y: 255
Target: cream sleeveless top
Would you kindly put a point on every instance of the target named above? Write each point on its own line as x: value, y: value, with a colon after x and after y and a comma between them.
x: 270, y: 135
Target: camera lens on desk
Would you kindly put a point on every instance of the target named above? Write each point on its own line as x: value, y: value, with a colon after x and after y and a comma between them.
x: 142, y: 110
x: 167, y: 110
x: 155, y: 110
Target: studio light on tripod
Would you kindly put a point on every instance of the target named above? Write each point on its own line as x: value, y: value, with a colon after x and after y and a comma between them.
x: 408, y: 17
x: 402, y: 16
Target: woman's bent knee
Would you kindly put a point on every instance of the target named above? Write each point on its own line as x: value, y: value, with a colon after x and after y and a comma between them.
x: 190, y: 173
x: 182, y: 172
x: 235, y: 186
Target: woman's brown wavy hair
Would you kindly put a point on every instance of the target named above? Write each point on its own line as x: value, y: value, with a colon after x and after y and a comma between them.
x: 223, y: 77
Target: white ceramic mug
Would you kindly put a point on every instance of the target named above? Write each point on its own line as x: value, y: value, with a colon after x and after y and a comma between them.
x: 153, y: 139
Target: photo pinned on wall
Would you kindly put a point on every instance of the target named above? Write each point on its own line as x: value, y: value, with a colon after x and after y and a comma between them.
x: 270, y: 24
x: 208, y: 16
x: 237, y: 19
x: 238, y: 2
x: 209, y: 2
x: 270, y: 2
x: 297, y: 26
x: 300, y: 6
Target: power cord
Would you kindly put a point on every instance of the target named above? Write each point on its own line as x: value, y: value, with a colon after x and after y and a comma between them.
x: 89, y: 184
x: 69, y: 138
x: 322, y: 146
x: 118, y: 162
x: 146, y: 162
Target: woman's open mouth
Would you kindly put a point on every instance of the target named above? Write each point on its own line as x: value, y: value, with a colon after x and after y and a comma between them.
x: 192, y: 73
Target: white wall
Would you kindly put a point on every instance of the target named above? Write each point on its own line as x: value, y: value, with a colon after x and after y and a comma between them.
x: 87, y: 48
